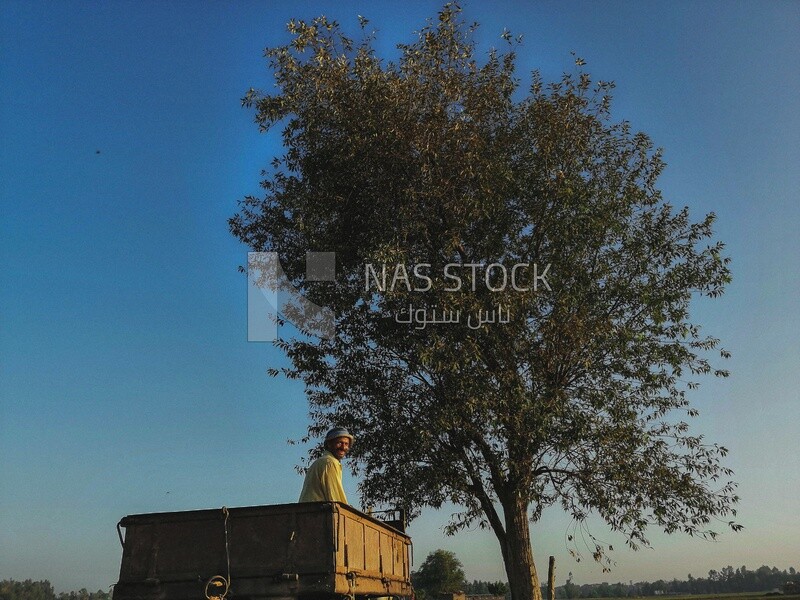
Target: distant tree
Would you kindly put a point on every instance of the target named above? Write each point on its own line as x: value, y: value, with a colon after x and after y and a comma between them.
x: 43, y: 590
x: 570, y: 589
x: 498, y: 588
x: 26, y: 590
x: 763, y: 579
x: 441, y: 572
x: 436, y: 159
x: 477, y: 587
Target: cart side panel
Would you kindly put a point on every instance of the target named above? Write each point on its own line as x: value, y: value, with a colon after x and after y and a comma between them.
x: 372, y: 549
x: 309, y: 550
x: 136, y: 557
x: 291, y: 542
x: 372, y: 558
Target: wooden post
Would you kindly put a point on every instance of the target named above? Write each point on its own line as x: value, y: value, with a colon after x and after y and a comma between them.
x: 551, y: 579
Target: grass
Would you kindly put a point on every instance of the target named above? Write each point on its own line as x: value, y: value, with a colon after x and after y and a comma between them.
x: 736, y: 596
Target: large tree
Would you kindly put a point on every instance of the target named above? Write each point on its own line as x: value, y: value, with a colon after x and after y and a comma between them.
x: 576, y: 394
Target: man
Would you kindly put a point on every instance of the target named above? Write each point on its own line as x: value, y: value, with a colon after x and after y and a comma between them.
x: 324, y: 477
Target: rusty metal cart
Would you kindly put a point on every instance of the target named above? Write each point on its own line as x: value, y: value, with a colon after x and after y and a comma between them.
x: 305, y: 551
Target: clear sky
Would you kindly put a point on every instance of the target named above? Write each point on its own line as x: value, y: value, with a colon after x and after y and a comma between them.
x: 126, y: 381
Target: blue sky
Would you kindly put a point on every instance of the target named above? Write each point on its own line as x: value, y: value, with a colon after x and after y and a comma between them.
x: 126, y: 381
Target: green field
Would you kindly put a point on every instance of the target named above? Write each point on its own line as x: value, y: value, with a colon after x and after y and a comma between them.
x: 739, y: 596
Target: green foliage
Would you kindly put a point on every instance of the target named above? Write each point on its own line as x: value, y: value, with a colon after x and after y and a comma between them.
x: 26, y: 590
x: 43, y: 590
x: 726, y: 581
x: 478, y: 587
x: 441, y: 573
x: 498, y: 588
x: 439, y: 158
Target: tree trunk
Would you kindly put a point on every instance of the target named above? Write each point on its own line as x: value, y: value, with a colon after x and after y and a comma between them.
x: 523, y: 580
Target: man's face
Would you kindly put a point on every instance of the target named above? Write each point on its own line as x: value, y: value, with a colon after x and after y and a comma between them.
x: 339, y: 447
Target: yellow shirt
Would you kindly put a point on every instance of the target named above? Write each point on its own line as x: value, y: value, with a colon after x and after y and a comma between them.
x: 324, y: 481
